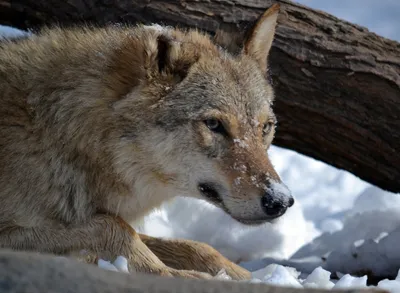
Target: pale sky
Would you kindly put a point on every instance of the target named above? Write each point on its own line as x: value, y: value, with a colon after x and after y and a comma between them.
x: 379, y: 16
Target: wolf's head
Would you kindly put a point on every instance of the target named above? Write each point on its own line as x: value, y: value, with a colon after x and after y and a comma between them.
x: 206, y: 120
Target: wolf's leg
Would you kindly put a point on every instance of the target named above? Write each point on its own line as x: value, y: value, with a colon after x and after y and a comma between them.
x: 104, y: 235
x: 193, y: 255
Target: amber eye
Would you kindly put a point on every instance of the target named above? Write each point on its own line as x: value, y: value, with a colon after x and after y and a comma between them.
x: 267, y: 127
x: 215, y: 125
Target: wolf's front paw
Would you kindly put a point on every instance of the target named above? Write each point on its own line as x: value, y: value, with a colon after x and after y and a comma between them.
x: 211, y: 261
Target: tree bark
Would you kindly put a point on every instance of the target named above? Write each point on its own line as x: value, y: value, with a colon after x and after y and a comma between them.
x: 337, y: 84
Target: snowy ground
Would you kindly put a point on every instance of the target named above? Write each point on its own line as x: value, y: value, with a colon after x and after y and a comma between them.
x: 339, y: 228
x: 339, y: 225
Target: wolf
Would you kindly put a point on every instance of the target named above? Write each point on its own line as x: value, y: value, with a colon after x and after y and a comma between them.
x: 100, y: 125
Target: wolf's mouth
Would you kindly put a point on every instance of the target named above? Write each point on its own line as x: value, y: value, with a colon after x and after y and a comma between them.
x: 212, y: 194
x: 256, y: 222
x: 209, y: 190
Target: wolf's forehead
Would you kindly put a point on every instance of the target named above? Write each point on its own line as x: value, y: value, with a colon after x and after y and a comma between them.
x: 245, y: 89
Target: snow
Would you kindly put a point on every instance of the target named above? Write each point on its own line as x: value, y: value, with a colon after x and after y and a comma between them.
x: 339, y: 226
x: 200, y: 218
x: 107, y: 265
x: 281, y: 276
x: 121, y: 263
x: 10, y: 32
x: 319, y: 278
x: 297, y: 250
x: 391, y: 285
x: 348, y: 281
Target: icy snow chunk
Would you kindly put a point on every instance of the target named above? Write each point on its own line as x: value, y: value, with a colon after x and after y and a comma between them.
x: 282, y: 277
x: 348, y: 281
x: 392, y: 286
x: 319, y: 278
x: 269, y: 270
x: 293, y: 272
x: 121, y: 263
x: 106, y: 265
x: 341, y: 243
x: 265, y: 272
x: 380, y: 258
x: 222, y: 275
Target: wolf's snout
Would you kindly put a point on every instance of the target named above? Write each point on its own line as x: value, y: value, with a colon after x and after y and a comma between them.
x: 291, y: 201
x: 276, y: 200
x: 275, y: 207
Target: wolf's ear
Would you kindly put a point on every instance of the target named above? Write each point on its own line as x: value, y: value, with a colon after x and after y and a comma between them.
x: 167, y: 51
x: 171, y: 58
x: 259, y: 38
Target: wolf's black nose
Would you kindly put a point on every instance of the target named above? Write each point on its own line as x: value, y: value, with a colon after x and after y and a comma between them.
x: 274, y: 207
x: 291, y: 201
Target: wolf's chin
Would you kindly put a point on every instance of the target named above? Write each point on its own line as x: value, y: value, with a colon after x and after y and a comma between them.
x: 255, y: 222
x: 211, y: 193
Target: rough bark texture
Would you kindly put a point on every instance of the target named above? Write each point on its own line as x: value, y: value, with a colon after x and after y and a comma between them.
x: 337, y: 84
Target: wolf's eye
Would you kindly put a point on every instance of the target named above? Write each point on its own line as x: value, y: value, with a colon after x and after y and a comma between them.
x: 215, y: 125
x: 267, y: 127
